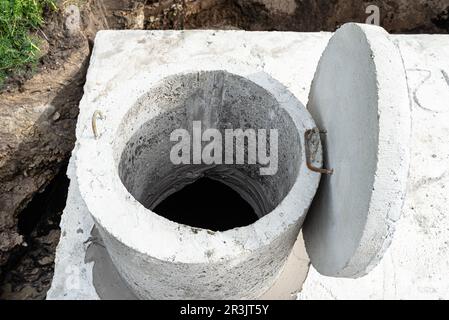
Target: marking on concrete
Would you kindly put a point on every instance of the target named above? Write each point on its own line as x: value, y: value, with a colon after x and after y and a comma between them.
x: 423, y: 81
x: 420, y: 85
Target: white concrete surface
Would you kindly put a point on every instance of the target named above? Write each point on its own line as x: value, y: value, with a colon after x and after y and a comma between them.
x: 415, y: 265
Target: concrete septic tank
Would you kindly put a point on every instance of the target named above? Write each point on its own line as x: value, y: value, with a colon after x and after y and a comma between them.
x: 161, y: 259
x: 358, y: 104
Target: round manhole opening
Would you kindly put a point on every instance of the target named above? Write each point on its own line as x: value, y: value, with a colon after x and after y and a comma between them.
x: 219, y: 127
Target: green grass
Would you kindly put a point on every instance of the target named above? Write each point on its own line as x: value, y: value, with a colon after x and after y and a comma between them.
x: 18, y: 48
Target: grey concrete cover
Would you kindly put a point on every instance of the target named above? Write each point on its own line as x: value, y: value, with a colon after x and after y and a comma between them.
x: 359, y: 96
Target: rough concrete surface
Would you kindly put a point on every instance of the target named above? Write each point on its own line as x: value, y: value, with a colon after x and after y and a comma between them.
x: 88, y: 273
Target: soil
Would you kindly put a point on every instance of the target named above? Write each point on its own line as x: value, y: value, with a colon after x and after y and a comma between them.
x: 37, y: 125
x: 40, y: 105
x: 31, y: 266
x: 55, y: 47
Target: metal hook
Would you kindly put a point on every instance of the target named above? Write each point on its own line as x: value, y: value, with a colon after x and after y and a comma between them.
x: 97, y: 115
x: 307, y: 135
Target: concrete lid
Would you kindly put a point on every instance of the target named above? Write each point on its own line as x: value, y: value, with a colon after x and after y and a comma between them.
x: 359, y: 96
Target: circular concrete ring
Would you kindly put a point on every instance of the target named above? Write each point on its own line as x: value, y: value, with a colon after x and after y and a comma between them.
x: 359, y: 96
x: 161, y: 259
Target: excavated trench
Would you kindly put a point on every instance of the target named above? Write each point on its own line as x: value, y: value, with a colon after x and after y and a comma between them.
x: 28, y: 272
